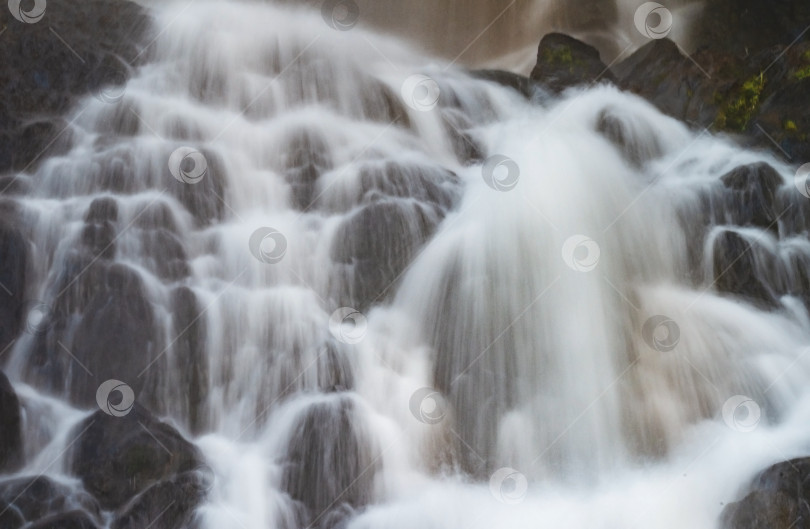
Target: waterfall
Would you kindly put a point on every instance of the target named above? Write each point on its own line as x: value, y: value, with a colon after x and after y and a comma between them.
x: 378, y: 292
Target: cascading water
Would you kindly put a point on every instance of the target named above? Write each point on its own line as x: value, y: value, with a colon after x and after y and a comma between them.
x: 380, y: 300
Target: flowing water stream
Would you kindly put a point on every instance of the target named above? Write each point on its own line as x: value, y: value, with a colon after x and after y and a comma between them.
x: 377, y: 292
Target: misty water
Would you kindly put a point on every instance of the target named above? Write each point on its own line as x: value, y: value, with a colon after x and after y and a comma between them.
x: 425, y: 301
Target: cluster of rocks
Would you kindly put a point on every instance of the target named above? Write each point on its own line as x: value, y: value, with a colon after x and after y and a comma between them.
x: 134, y: 469
x: 749, y: 76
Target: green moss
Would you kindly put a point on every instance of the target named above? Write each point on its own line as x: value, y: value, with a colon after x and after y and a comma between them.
x: 803, y: 73
x: 561, y: 55
x: 740, y: 107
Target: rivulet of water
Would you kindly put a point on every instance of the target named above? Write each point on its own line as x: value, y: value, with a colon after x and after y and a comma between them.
x: 377, y: 292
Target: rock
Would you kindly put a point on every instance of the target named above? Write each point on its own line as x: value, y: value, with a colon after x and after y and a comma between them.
x: 376, y: 244
x: 774, y: 510
x: 189, y: 325
x: 156, y: 215
x: 563, y: 62
x: 638, y: 142
x: 167, y: 254
x: 99, y: 239
x: 380, y: 103
x: 777, y: 498
x: 11, y: 447
x: 751, y: 199
x: 458, y: 127
x: 28, y: 499
x: 756, y: 96
x: 390, y: 179
x: 100, y: 327
x: 659, y: 73
x: 521, y: 84
x: 330, y: 467
x: 169, y: 504
x: 778, y: 119
x: 115, y: 338
x: 736, y: 270
x: 742, y: 27
x: 70, y: 520
x: 117, y: 458
x: 13, y: 273
x: 102, y: 210
x: 307, y: 157
x: 205, y: 200
x: 42, y: 77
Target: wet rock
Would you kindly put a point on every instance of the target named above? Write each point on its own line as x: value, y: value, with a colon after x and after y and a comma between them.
x: 156, y: 215
x: 99, y: 238
x: 458, y: 127
x: 778, y: 498
x: 778, y: 120
x: 381, y: 104
x: 759, y: 509
x: 14, y: 184
x: 334, y: 370
x: 42, y: 77
x: 519, y: 83
x: 11, y: 449
x: 28, y: 499
x: 735, y: 270
x: 330, y: 465
x: 102, y: 210
x: 114, y: 172
x: 742, y: 27
x: 376, y: 244
x: 307, y: 158
x: 169, y: 504
x: 189, y: 325
x: 204, y: 199
x: 563, y: 62
x: 659, y: 73
x: 115, y: 338
x: 754, y: 97
x: 751, y: 200
x: 119, y: 457
x: 13, y: 266
x: 70, y: 520
x: 431, y: 185
x: 639, y: 144
x: 167, y: 254
x: 27, y: 143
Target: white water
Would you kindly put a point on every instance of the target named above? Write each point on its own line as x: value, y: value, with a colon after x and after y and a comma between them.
x: 544, y: 369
